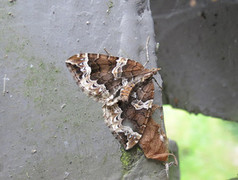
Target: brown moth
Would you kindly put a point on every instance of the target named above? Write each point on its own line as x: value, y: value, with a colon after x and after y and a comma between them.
x: 124, y: 87
x: 126, y: 90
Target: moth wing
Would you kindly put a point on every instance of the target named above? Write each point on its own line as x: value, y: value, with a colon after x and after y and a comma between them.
x: 127, y: 120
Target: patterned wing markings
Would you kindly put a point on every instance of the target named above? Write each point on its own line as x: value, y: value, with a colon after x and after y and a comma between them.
x: 125, y: 88
x: 86, y: 69
x: 121, y: 112
x: 107, y: 79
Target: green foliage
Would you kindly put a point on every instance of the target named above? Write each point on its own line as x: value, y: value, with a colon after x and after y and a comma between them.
x: 208, y: 147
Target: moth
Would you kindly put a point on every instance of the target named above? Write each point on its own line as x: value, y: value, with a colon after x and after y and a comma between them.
x: 126, y: 89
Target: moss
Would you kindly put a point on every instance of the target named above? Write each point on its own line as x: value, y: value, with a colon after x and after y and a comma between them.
x: 110, y: 6
x: 11, y: 2
x: 76, y: 124
x: 105, y: 159
x: 126, y: 159
x: 65, y: 120
x: 129, y: 158
x: 5, y: 11
x: 41, y: 81
x: 40, y: 76
x: 15, y: 44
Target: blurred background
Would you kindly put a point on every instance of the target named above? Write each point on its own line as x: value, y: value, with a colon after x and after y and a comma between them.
x: 198, y: 55
x: 208, y: 146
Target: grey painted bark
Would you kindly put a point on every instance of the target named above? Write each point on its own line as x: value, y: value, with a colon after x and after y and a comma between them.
x: 48, y: 128
x: 198, y: 55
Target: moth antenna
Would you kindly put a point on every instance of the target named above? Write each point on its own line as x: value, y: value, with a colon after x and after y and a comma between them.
x: 147, y: 51
x: 107, y: 52
x: 157, y: 83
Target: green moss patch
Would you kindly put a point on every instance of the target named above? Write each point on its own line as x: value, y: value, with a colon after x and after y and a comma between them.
x: 128, y: 158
